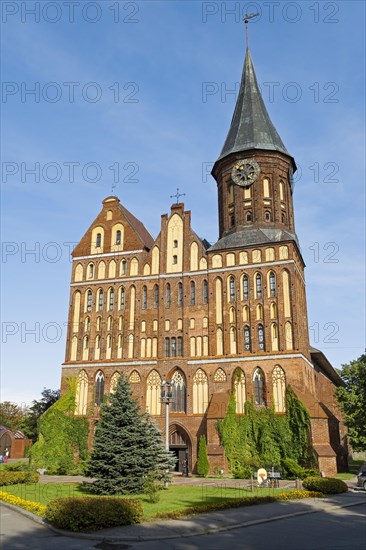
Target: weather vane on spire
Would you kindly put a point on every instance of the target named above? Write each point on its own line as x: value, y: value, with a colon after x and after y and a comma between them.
x: 247, y: 18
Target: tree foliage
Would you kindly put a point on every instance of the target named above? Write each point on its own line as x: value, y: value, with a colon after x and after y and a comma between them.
x: 261, y: 437
x: 352, y: 400
x: 29, y: 423
x: 127, y: 446
x: 203, y: 465
x: 12, y: 415
x: 62, y: 446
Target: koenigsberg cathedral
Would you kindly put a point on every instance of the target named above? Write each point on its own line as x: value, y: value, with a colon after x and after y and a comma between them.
x: 209, y: 318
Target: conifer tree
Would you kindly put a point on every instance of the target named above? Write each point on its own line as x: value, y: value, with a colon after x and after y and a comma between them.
x: 127, y: 446
x: 203, y: 465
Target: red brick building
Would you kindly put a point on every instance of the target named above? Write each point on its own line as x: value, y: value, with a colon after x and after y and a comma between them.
x: 215, y: 318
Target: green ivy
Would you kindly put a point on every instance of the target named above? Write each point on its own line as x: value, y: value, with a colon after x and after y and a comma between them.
x: 261, y: 437
x: 62, y: 445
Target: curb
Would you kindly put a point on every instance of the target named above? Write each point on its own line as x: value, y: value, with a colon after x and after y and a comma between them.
x: 202, y: 531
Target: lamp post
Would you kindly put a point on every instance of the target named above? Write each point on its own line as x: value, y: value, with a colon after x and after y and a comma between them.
x: 167, y: 398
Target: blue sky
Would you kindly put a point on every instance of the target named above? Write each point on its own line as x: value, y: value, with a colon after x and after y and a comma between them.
x: 147, y: 88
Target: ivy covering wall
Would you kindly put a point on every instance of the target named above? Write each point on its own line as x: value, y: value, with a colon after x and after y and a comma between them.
x: 262, y: 438
x: 62, y: 445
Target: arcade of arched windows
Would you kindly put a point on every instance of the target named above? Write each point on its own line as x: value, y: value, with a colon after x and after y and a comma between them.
x: 262, y: 387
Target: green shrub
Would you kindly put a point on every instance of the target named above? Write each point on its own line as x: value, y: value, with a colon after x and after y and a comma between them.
x: 292, y: 470
x: 325, y: 485
x: 18, y: 467
x: 203, y: 465
x: 151, y: 489
x: 93, y: 513
x: 13, y: 478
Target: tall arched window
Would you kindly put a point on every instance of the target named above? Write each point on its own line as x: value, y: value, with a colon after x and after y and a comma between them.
x: 156, y: 296
x: 259, y: 387
x: 111, y: 299
x: 273, y: 310
x: 231, y: 289
x: 98, y: 242
x: 144, y: 297
x: 179, y: 392
x: 258, y: 285
x: 193, y: 293
x: 123, y: 267
x: 87, y: 324
x: 173, y: 347
x: 99, y: 388
x: 74, y: 348
x: 153, y: 389
x: 267, y: 216
x: 245, y: 287
x: 279, y: 389
x: 118, y: 237
x: 205, y: 292
x: 272, y: 284
x: 168, y: 295
x: 100, y: 300
x: 200, y: 392
x: 97, y: 348
x: 247, y: 338
x: 219, y: 342
x: 122, y: 302
x: 167, y: 347
x: 261, y: 342
x: 180, y: 346
x: 232, y: 340
x: 86, y: 348
x: 89, y: 300
x: 274, y: 337
x: 289, y: 339
x: 248, y: 216
x: 239, y: 390
x: 109, y: 347
x: 259, y: 312
x: 114, y: 381
x: 180, y: 294
x: 90, y: 271
x: 81, y: 397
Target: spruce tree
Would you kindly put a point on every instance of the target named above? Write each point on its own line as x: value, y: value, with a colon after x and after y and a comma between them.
x: 127, y: 446
x: 203, y: 465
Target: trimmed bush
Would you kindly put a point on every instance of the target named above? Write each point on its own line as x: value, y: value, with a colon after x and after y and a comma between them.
x: 93, y: 513
x: 13, y: 478
x: 326, y: 485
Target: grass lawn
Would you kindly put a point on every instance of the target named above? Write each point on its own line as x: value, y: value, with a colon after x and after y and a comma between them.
x: 174, y: 498
x: 345, y: 476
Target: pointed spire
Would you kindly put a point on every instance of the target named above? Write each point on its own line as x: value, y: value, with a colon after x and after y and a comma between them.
x: 251, y: 127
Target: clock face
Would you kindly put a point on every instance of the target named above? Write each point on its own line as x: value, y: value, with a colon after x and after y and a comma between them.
x: 245, y: 172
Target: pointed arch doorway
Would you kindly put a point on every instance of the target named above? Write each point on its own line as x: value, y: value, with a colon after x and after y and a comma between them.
x: 180, y: 445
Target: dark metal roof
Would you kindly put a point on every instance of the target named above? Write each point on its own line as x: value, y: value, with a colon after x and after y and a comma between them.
x: 322, y: 362
x: 250, y: 236
x: 138, y: 227
x: 251, y: 127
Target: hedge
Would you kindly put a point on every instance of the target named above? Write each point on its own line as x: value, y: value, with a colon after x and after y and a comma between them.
x: 13, y: 478
x: 326, y: 485
x: 92, y: 513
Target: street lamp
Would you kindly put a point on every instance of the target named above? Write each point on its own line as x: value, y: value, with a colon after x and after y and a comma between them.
x: 167, y: 398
